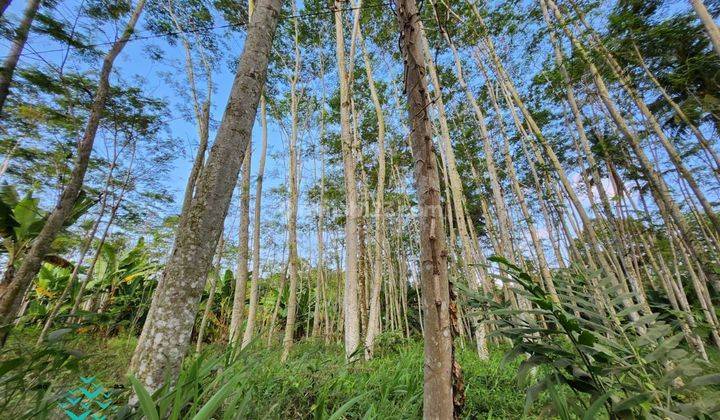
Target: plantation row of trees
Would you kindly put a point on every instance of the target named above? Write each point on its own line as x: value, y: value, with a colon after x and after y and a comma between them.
x: 541, y: 173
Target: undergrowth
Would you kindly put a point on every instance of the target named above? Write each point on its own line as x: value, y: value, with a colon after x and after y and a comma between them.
x: 316, y: 382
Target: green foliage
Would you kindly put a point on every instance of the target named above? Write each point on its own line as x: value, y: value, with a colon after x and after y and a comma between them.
x: 30, y: 377
x: 112, y: 270
x: 318, y: 383
x: 614, y: 366
x: 22, y: 219
x: 126, y: 276
x: 50, y: 282
x: 315, y: 383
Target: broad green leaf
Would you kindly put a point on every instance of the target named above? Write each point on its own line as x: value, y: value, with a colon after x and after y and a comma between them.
x: 81, y: 206
x: 146, y: 402
x: 8, y: 365
x: 597, y: 405
x: 345, y: 407
x: 209, y: 408
x: 7, y: 221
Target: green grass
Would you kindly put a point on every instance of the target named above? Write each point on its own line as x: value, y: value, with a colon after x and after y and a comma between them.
x: 315, y: 382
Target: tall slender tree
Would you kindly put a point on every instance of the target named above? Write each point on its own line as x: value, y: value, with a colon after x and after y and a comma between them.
x: 293, y: 183
x: 351, y: 313
x: 374, y: 313
x: 710, y: 26
x: 18, y: 44
x: 440, y: 399
x: 241, y: 271
x: 255, y: 280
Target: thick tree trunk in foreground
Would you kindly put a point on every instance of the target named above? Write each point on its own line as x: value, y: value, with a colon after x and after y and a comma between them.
x: 18, y: 43
x: 440, y: 368
x: 350, y: 294
x: 166, y: 333
x: 12, y: 296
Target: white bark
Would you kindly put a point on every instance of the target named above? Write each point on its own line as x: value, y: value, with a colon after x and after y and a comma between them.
x: 255, y: 281
x: 710, y: 26
x: 350, y: 295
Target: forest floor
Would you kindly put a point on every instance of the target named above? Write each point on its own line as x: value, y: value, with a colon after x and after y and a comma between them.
x: 316, y: 382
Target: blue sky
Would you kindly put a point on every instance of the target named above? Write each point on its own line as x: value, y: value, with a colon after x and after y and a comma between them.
x: 135, y: 63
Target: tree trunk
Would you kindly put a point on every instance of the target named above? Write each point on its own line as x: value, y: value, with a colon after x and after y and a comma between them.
x: 710, y: 26
x: 276, y: 308
x: 255, y: 281
x: 241, y: 274
x: 12, y: 296
x: 320, y: 297
x: 374, y: 315
x: 166, y: 334
x: 440, y: 400
x: 350, y: 295
x: 293, y: 260
x: 18, y: 43
x: 320, y: 302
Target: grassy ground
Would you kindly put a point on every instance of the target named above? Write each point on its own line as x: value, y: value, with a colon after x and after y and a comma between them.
x: 314, y: 383
x: 318, y: 380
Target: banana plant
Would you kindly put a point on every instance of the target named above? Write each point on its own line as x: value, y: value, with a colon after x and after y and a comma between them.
x: 48, y: 285
x: 21, y: 220
x: 50, y: 281
x: 121, y: 276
